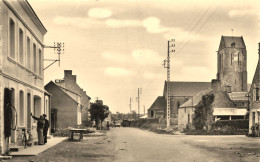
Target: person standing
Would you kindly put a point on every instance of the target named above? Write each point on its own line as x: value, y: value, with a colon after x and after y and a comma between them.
x: 46, y: 127
x: 40, y: 126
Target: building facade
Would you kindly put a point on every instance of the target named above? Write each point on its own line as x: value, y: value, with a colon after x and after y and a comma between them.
x: 180, y: 92
x: 232, y: 64
x: 21, y: 71
x: 70, y: 82
x: 230, y: 88
x: 224, y: 107
x: 66, y: 107
x: 156, y: 110
x: 254, y: 111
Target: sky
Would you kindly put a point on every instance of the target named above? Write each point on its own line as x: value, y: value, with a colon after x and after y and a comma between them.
x: 115, y: 47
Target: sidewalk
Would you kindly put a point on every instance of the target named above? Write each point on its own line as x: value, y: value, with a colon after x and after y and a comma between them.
x: 36, y: 149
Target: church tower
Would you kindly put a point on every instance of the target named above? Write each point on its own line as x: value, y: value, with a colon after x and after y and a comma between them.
x: 232, y: 64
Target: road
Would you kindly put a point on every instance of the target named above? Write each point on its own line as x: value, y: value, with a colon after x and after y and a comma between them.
x: 139, y: 145
x: 136, y: 145
x: 133, y: 144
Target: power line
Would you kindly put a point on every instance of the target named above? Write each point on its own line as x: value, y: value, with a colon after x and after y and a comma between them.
x: 190, y: 38
x: 195, y: 25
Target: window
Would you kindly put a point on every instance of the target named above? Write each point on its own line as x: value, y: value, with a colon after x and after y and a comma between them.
x: 12, y: 38
x: 238, y: 58
x: 37, y: 106
x: 21, y: 46
x: 34, y: 58
x: 28, y: 53
x: 257, y: 94
x: 21, y: 108
x: 178, y: 104
x: 231, y: 58
x: 40, y: 62
x: 152, y: 114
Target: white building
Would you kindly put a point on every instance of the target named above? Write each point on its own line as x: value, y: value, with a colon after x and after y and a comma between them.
x: 21, y: 71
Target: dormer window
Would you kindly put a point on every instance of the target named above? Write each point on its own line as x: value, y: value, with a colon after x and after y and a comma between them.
x: 233, y: 44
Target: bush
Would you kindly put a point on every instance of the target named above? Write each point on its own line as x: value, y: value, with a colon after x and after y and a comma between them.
x: 223, y: 127
x: 235, y: 124
x: 203, y: 112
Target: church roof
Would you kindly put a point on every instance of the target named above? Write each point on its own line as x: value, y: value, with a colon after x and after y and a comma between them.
x: 196, y: 98
x: 221, y: 99
x: 159, y: 103
x: 186, y: 88
x: 228, y: 41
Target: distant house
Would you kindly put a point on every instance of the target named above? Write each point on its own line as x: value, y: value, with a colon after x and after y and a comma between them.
x: 180, y: 92
x: 65, y: 106
x: 157, y: 108
x: 254, y: 112
x: 224, y: 107
x: 70, y: 82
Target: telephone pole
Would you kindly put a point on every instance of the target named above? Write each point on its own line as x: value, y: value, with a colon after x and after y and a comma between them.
x: 167, y: 65
x: 130, y: 105
x: 138, y: 100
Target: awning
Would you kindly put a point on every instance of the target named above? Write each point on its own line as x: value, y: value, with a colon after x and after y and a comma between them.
x: 144, y: 117
x: 229, y: 112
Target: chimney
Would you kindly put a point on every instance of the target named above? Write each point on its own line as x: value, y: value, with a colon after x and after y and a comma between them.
x: 67, y: 72
x: 74, y: 77
x: 215, y: 85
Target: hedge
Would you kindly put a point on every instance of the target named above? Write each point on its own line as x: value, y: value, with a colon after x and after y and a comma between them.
x: 237, y: 124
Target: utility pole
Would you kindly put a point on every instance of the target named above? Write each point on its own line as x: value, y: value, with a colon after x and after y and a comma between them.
x: 167, y: 62
x: 138, y: 100
x: 130, y: 105
x: 144, y: 110
x: 58, y: 49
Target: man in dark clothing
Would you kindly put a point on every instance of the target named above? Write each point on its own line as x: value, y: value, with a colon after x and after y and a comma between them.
x: 40, y: 126
x: 45, y: 129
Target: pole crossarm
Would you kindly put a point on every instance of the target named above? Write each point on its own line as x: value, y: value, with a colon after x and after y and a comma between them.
x: 58, y: 49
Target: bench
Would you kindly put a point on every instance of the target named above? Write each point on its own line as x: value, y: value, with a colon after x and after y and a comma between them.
x: 72, y: 131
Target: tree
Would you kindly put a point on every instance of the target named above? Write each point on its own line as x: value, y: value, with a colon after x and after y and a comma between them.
x: 98, y: 113
x: 204, y: 112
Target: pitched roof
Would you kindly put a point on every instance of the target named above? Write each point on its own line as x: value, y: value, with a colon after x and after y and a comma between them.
x: 159, y: 103
x: 186, y: 88
x: 196, y: 98
x: 62, y: 90
x: 227, y: 41
x: 222, y: 99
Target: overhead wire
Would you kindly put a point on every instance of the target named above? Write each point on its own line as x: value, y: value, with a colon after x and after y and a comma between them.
x: 178, y: 51
x: 194, y: 26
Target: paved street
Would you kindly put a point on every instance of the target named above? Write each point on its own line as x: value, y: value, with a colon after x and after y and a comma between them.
x: 132, y: 144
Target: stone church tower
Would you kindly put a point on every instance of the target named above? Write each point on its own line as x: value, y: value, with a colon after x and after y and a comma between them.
x: 232, y: 64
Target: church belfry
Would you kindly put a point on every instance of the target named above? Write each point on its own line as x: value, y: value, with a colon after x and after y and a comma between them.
x: 232, y: 64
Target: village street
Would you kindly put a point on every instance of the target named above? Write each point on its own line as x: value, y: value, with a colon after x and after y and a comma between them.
x: 133, y: 144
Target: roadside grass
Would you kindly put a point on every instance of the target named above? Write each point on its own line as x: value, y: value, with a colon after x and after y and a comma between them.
x: 155, y: 127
